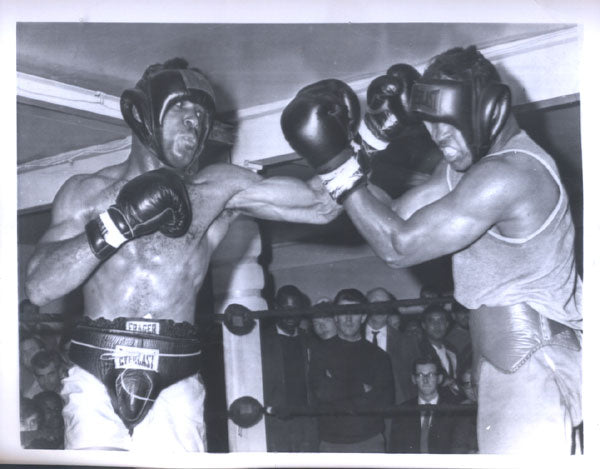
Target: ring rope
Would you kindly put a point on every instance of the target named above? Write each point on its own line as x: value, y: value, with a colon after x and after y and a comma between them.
x: 311, y: 411
x: 332, y: 309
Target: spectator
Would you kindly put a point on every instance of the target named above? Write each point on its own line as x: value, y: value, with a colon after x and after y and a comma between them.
x: 459, y: 336
x: 30, y: 416
x: 305, y: 325
x: 47, y: 370
x: 52, y: 428
x: 434, y: 321
x: 285, y: 374
x: 429, y: 291
x: 465, y: 433
x: 323, y: 326
x: 413, y: 327
x: 347, y: 372
x: 394, y: 320
x: 29, y: 345
x: 424, y: 431
x: 402, y: 348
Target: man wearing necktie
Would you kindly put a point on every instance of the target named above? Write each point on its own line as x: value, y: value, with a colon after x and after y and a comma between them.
x: 401, y: 347
x: 435, y: 323
x: 426, y: 430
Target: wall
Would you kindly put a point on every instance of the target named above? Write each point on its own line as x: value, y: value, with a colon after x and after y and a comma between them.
x: 321, y: 270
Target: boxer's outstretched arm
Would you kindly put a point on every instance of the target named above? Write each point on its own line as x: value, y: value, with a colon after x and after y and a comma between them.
x: 62, y: 259
x: 482, y: 198
x: 278, y: 198
x: 287, y: 199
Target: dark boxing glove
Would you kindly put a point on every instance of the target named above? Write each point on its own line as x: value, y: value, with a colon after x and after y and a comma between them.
x: 388, y: 103
x: 321, y: 124
x: 154, y: 201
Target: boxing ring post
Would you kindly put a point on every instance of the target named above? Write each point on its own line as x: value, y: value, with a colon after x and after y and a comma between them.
x: 239, y: 278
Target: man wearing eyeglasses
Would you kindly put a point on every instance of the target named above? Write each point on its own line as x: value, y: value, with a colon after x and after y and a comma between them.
x: 424, y: 431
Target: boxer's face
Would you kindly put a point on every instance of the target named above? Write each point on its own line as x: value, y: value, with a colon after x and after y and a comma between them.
x: 452, y: 144
x: 184, y: 129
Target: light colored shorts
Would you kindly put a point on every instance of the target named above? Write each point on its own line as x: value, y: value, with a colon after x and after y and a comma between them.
x: 533, y: 410
x: 174, y: 423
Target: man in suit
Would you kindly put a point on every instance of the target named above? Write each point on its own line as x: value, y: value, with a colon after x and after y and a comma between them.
x: 402, y: 348
x: 459, y: 335
x: 424, y: 431
x: 285, y: 358
x: 435, y: 323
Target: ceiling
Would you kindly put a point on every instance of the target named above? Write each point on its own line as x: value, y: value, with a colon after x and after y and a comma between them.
x: 248, y: 64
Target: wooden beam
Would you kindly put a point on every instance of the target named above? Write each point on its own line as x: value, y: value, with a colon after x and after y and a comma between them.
x: 61, y: 97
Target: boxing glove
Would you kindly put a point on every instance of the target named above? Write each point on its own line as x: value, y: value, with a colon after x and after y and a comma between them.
x: 388, y: 103
x: 154, y: 201
x: 321, y: 124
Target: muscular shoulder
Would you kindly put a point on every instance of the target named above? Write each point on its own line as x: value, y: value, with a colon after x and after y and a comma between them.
x: 512, y: 187
x: 510, y: 177
x: 75, y: 197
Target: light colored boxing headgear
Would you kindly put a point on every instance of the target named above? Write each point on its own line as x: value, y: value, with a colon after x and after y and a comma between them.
x: 160, y: 88
x: 478, y: 111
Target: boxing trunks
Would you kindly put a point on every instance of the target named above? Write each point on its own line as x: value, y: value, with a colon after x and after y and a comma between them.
x: 506, y: 336
x: 135, y: 359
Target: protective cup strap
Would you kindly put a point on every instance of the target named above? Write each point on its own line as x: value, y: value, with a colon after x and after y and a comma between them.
x: 344, y: 179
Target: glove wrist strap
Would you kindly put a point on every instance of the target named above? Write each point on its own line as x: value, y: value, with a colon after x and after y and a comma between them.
x: 370, y: 137
x: 113, y: 235
x: 344, y: 179
x: 103, y: 236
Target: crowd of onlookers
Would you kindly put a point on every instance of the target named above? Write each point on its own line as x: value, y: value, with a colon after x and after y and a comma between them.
x: 354, y: 382
x: 333, y: 382
x: 43, y: 364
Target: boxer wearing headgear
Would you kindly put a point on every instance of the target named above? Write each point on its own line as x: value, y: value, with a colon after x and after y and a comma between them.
x: 138, y: 238
x: 162, y: 86
x: 476, y: 106
x: 497, y: 205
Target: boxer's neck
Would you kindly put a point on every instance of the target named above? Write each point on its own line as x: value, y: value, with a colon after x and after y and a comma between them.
x: 140, y: 160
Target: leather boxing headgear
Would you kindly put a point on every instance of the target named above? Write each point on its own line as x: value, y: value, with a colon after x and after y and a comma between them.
x: 479, y: 110
x: 144, y: 107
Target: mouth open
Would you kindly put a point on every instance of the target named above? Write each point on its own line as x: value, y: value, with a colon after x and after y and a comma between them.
x: 187, y: 140
x: 185, y: 143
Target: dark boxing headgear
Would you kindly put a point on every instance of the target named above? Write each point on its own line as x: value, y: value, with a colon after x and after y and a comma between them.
x: 162, y: 85
x: 476, y: 106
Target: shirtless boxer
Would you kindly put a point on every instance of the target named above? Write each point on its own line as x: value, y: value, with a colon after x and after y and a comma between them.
x: 139, y: 236
x: 497, y: 204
